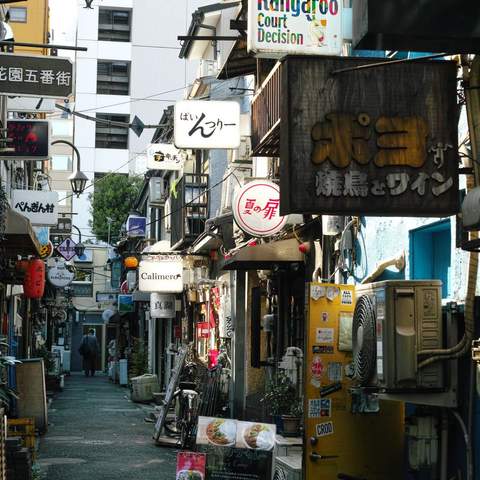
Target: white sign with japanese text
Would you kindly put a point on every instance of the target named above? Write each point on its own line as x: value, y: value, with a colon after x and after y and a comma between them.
x: 165, y: 156
x: 207, y: 125
x: 40, y: 207
x: 162, y: 273
x: 162, y: 305
x: 303, y: 27
x: 256, y: 208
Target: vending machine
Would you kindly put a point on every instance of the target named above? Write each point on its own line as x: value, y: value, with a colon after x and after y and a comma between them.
x: 349, y: 434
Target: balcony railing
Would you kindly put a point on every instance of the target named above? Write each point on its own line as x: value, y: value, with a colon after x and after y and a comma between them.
x: 266, y: 116
x: 189, y: 209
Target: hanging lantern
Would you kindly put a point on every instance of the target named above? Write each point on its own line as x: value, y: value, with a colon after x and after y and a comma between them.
x: 131, y: 262
x: 34, y: 281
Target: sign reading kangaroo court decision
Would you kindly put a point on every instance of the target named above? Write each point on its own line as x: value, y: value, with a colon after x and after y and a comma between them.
x: 37, y: 76
x: 301, y: 27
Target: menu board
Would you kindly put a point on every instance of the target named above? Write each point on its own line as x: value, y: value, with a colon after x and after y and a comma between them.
x: 236, y: 450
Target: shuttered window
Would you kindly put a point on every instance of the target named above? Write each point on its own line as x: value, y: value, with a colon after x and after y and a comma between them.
x: 114, y: 25
x: 113, y: 78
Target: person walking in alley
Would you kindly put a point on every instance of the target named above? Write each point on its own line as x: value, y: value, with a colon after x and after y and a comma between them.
x: 89, y: 351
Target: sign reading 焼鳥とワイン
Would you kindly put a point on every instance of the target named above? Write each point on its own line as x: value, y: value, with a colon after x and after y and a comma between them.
x: 37, y: 76
x: 305, y: 27
x: 378, y: 141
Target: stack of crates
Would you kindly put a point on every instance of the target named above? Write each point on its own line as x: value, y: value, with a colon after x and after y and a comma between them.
x: 25, y: 429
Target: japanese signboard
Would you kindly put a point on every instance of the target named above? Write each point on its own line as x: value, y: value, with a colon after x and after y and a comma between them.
x: 67, y: 249
x: 306, y: 27
x: 165, y: 156
x: 256, y: 208
x: 161, y: 273
x: 125, y: 303
x: 46, y: 77
x: 382, y: 142
x: 191, y: 466
x: 207, y: 125
x: 30, y: 139
x: 58, y: 275
x: 39, y: 206
x: 235, y: 449
x: 162, y: 305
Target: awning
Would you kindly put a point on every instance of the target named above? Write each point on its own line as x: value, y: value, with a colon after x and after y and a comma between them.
x: 20, y: 239
x: 265, y: 256
x: 238, y: 62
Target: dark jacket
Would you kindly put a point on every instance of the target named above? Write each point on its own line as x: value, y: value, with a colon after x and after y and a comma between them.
x: 89, y: 346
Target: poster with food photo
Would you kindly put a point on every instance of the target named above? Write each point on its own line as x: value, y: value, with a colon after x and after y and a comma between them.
x: 219, y: 432
x: 191, y: 466
x: 255, y: 436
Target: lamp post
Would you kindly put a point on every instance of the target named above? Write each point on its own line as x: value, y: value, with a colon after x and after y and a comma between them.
x: 79, y: 247
x: 78, y: 179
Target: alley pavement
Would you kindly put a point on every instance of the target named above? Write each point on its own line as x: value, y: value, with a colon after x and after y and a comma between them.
x: 96, y: 433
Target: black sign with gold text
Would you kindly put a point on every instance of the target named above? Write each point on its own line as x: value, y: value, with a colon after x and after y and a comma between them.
x: 379, y: 141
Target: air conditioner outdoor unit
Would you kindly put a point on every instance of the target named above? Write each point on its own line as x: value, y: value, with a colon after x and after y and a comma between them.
x: 393, y: 321
x: 157, y: 191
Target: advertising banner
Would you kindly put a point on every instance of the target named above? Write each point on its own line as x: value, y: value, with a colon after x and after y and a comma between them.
x: 30, y: 139
x: 302, y: 27
x: 125, y: 303
x: 191, y: 466
x: 237, y: 450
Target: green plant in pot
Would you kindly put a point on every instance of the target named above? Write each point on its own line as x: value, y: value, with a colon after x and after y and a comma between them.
x: 279, y: 397
x: 292, y: 420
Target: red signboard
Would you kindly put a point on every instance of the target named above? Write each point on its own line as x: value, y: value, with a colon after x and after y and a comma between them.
x: 30, y: 139
x: 191, y: 466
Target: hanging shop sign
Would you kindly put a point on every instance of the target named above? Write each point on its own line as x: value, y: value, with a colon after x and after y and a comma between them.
x: 37, y: 76
x: 302, y: 27
x: 162, y: 273
x: 39, y: 206
x: 46, y: 251
x: 162, y: 305
x: 67, y: 249
x: 256, y: 208
x: 165, y: 156
x: 30, y: 139
x: 105, y: 297
x: 136, y: 226
x: 125, y: 304
x: 58, y: 275
x: 382, y: 142
x: 207, y: 125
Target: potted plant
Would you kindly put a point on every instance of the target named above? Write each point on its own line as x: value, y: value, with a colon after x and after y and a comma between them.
x: 292, y: 420
x: 278, y: 399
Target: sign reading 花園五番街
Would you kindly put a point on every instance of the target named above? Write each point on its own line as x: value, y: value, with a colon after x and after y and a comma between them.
x: 382, y: 141
x: 302, y: 27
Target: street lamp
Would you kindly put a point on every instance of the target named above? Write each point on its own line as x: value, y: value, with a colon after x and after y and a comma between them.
x: 78, y: 179
x: 79, y: 247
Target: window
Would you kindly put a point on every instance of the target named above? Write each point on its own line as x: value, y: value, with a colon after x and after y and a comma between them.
x: 62, y: 162
x: 111, y: 136
x: 18, y: 14
x: 114, y: 25
x: 113, y: 78
x: 430, y: 253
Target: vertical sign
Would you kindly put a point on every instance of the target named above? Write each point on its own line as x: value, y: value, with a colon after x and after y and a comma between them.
x: 304, y: 27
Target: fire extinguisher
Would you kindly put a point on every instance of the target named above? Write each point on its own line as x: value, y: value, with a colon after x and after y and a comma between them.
x: 34, y: 281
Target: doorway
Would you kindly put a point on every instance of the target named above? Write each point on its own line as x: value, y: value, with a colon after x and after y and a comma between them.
x: 100, y: 334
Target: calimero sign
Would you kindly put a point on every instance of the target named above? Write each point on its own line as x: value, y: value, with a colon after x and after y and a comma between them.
x: 381, y: 141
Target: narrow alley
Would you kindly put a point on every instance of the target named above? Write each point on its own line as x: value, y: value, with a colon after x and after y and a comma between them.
x: 95, y: 432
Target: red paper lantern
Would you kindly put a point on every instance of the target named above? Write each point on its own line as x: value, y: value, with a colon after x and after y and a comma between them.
x: 34, y: 281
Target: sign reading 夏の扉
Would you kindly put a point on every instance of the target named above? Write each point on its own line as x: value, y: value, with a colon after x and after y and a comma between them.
x: 45, y: 77
x: 40, y: 207
x: 162, y: 273
x: 165, y: 156
x: 256, y: 208
x: 207, y: 125
x: 285, y: 27
x: 383, y: 141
